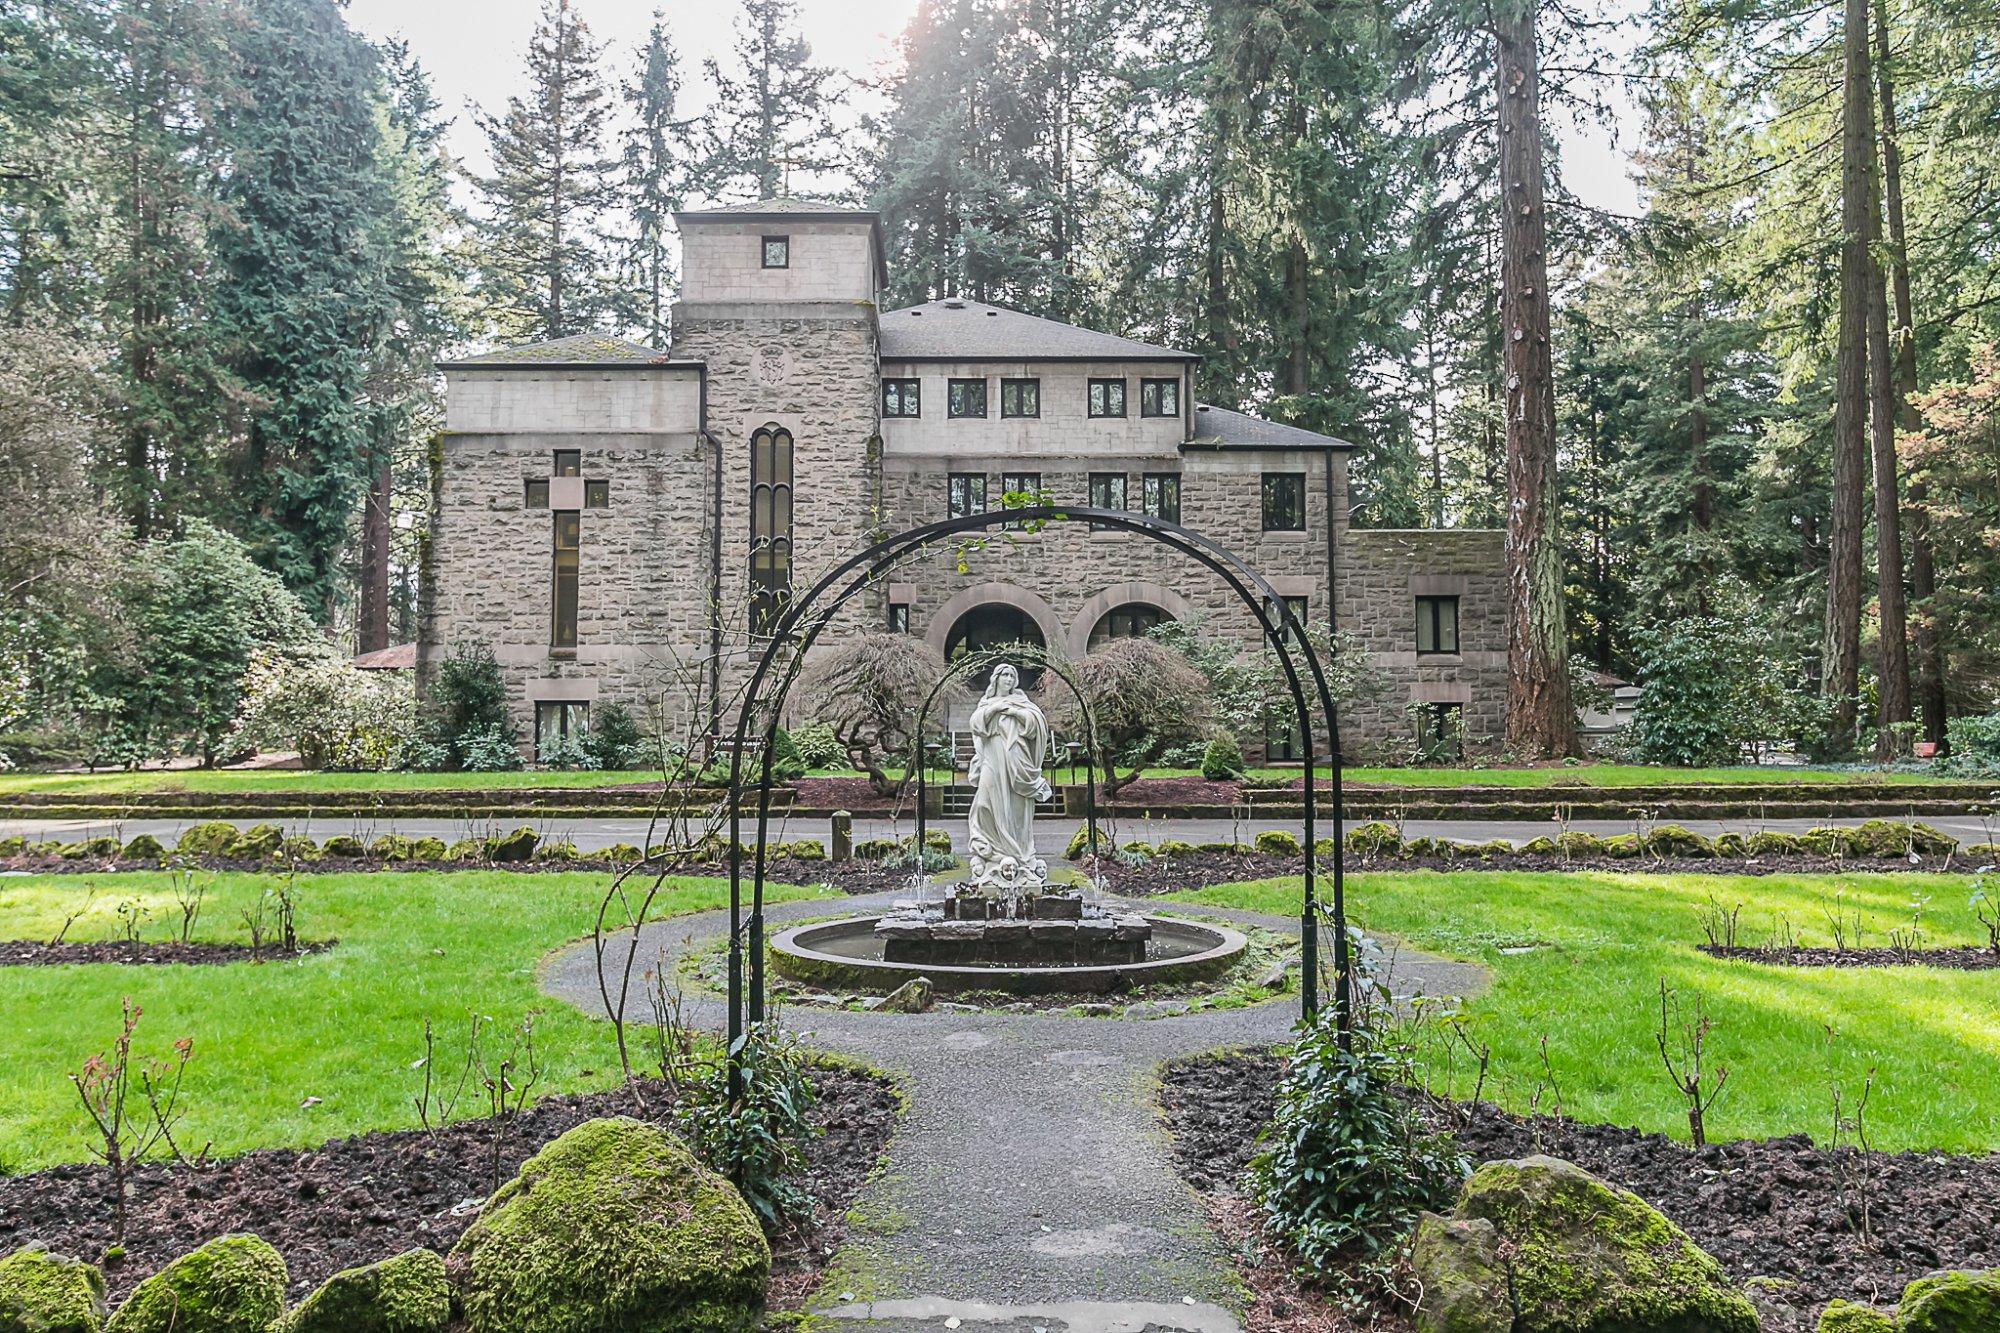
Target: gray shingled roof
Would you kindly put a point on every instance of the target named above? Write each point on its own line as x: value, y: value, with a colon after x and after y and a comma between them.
x: 579, y: 349
x: 1220, y: 428
x: 956, y: 330
x: 783, y: 206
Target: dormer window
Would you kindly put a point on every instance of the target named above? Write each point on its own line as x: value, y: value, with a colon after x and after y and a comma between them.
x: 1159, y: 398
x: 777, y: 252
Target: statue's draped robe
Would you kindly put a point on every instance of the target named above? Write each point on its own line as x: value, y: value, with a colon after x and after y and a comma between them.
x: 1010, y: 739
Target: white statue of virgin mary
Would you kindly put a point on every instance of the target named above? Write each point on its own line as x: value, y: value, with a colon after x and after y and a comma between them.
x: 1010, y: 742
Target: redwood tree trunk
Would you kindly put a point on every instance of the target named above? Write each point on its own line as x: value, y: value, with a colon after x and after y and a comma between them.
x: 1929, y: 667
x: 1893, y: 685
x: 371, y: 629
x: 1840, y: 663
x: 1540, y: 719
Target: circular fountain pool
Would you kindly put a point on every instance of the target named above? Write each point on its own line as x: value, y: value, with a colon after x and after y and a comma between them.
x: 853, y: 954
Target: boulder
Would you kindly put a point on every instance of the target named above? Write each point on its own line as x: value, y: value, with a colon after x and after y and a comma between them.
x: 42, y: 1292
x: 805, y: 849
x: 102, y: 848
x: 1829, y: 841
x: 1464, y: 1277
x: 624, y: 853
x: 560, y: 850
x: 428, y: 849
x: 466, y: 849
x: 209, y: 839
x: 233, y: 1284
x: 1277, y: 842
x: 1542, y: 846
x: 298, y: 848
x: 912, y: 997
x: 1494, y: 849
x: 145, y: 847
x: 14, y: 846
x: 1982, y: 853
x: 407, y: 1294
x: 1622, y: 846
x: 1375, y: 838
x: 390, y: 847
x: 344, y: 845
x: 1581, y: 844
x: 1585, y: 1257
x: 1671, y: 840
x: 1775, y: 844
x: 614, y: 1227
x: 1731, y: 846
x: 260, y: 842
x: 1846, y: 1317
x: 1959, y: 1301
x: 516, y: 846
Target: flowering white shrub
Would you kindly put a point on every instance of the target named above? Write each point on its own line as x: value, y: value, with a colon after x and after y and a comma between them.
x: 334, y: 714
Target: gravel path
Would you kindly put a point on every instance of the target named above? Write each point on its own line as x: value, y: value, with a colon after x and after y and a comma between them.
x: 1029, y: 1184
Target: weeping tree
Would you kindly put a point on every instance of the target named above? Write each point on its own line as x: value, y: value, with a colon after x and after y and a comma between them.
x: 1144, y: 698
x: 870, y: 690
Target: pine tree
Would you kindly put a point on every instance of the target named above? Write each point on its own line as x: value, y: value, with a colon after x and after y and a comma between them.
x: 543, y: 252
x: 771, y: 129
x: 658, y: 160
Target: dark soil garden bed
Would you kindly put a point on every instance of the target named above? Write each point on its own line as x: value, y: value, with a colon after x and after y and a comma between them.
x: 45, y: 953
x: 1778, y: 1209
x: 1965, y: 959
x: 361, y: 1199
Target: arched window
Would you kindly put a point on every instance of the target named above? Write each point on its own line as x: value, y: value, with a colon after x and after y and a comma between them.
x: 1130, y: 621
x: 770, y: 524
x: 994, y: 625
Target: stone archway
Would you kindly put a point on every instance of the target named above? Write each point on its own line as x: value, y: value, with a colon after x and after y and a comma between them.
x: 1077, y: 636
x: 938, y: 633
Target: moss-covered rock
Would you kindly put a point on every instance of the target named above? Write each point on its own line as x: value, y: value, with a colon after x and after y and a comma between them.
x: 1177, y: 847
x: 1825, y: 841
x: 298, y: 848
x: 937, y: 840
x: 428, y: 849
x: 102, y: 848
x: 344, y: 845
x: 259, y: 842
x: 1584, y: 1257
x: 1277, y: 842
x: 1982, y: 853
x: 560, y: 850
x: 1775, y: 844
x: 613, y: 1228
x: 1959, y: 1301
x: 50, y: 848
x: 1463, y: 1274
x: 390, y: 847
x: 210, y: 839
x: 42, y: 1292
x: 14, y: 846
x: 624, y: 853
x: 407, y: 1294
x: 1578, y: 844
x: 1674, y: 842
x: 914, y: 996
x: 881, y: 849
x: 145, y: 847
x: 1141, y: 850
x: 1731, y: 846
x: 1494, y: 849
x: 1847, y: 1317
x: 805, y: 849
x: 1888, y: 839
x: 1374, y: 838
x: 466, y: 849
x: 233, y: 1284
x: 516, y: 846
x: 1623, y: 846
x: 1542, y: 846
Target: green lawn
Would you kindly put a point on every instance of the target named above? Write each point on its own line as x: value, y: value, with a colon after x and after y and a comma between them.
x: 1590, y: 986
x: 280, y: 780
x: 343, y: 1027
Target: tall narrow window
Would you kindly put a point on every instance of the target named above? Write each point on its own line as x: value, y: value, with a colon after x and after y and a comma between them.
x: 1284, y: 502
x: 770, y: 525
x: 1162, y: 496
x: 568, y: 535
x: 1159, y: 398
x: 965, y: 493
x: 1437, y: 626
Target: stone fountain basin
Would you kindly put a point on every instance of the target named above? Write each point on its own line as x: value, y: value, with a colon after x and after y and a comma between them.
x: 847, y: 955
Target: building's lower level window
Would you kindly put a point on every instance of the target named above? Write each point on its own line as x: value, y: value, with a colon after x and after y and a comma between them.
x: 965, y: 494
x: 899, y: 617
x: 1440, y: 732
x: 1107, y: 491
x: 1162, y: 495
x: 568, y: 540
x: 1437, y: 626
x: 559, y: 723
x: 1284, y: 502
x: 1283, y: 742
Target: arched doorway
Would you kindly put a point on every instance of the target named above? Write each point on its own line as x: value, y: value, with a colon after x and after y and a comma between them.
x: 990, y: 626
x: 1133, y: 620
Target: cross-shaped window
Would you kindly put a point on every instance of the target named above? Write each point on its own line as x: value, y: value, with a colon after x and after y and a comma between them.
x: 565, y: 492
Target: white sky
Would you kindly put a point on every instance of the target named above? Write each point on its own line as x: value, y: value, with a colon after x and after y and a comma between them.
x: 472, y: 49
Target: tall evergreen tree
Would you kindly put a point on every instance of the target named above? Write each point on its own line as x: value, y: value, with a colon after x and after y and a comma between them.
x: 658, y: 160
x: 771, y: 130
x: 544, y: 261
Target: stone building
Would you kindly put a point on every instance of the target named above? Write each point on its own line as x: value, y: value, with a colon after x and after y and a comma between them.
x: 616, y: 521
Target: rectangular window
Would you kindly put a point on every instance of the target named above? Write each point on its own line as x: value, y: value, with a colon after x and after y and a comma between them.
x: 965, y: 398
x: 556, y: 723
x: 597, y: 495
x: 899, y: 617
x: 537, y: 493
x: 902, y: 398
x: 1020, y: 398
x: 777, y: 252
x: 569, y: 462
x: 1107, y: 491
x: 1284, y: 502
x: 1107, y: 398
x: 1296, y: 606
x: 965, y: 493
x: 1018, y: 489
x: 1440, y: 732
x: 568, y: 538
x: 1161, y: 495
x: 1283, y: 742
x: 1437, y: 626
x: 1159, y: 398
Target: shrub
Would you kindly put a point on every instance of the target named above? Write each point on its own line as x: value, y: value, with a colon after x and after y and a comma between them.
x: 818, y: 747
x: 786, y: 766
x: 565, y: 753
x: 1973, y: 744
x: 1144, y: 697
x: 757, y: 1140
x: 1277, y: 842
x: 466, y: 706
x: 614, y: 739
x: 334, y: 714
x: 1223, y: 758
x: 1709, y: 685
x: 1347, y: 1164
x: 868, y: 691
x: 491, y: 750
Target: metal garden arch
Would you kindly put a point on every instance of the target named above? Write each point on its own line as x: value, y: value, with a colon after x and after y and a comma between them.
x: 806, y: 615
